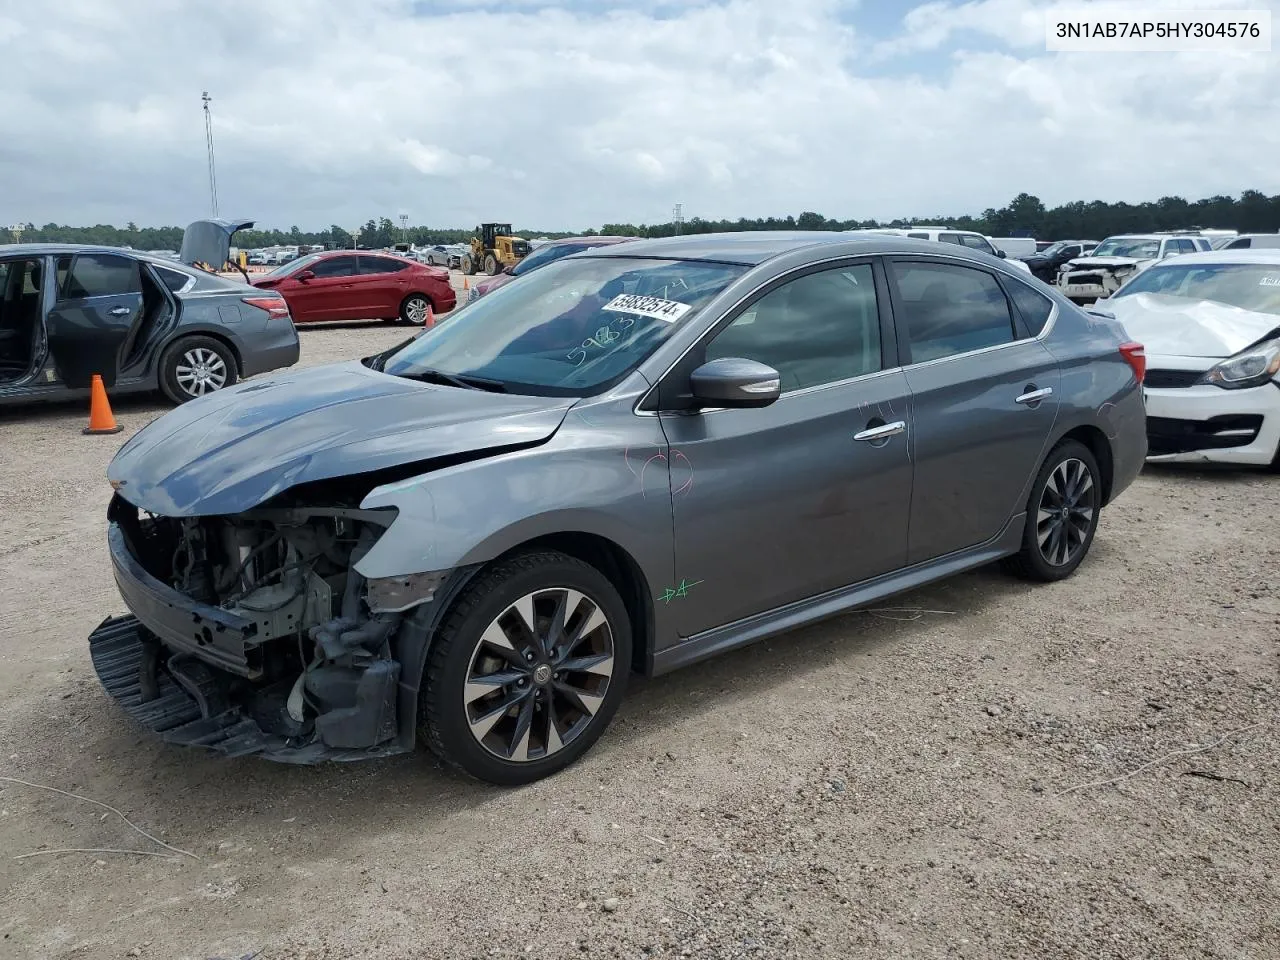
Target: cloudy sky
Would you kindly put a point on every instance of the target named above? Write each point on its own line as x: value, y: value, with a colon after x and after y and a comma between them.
x: 573, y: 114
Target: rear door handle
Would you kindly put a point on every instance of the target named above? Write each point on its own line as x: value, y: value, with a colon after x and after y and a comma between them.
x: 118, y: 311
x: 1035, y: 396
x: 882, y: 432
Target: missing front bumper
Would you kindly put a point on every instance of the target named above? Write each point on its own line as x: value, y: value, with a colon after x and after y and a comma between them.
x: 184, y: 701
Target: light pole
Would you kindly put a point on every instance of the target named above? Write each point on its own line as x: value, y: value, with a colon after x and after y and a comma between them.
x: 404, y: 227
x: 17, y: 230
x: 355, y: 236
x: 208, y: 136
x: 678, y: 215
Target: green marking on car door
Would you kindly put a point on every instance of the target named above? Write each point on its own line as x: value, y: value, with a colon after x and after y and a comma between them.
x: 679, y: 590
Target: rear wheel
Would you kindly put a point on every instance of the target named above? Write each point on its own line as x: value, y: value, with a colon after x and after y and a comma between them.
x: 195, y: 366
x: 528, y: 669
x: 1062, y: 514
x: 414, y: 309
x: 491, y: 265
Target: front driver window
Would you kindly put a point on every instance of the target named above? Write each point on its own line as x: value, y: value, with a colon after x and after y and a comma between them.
x: 334, y: 267
x: 817, y: 329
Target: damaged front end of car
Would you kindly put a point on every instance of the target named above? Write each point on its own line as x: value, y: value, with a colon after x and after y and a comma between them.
x: 1086, y: 281
x: 256, y: 634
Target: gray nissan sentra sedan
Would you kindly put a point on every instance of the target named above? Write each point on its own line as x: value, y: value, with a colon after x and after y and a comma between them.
x: 630, y: 460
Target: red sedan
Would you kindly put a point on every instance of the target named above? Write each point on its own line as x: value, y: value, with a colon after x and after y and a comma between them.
x: 346, y: 285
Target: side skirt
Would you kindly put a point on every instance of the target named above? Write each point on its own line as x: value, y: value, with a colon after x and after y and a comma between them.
x: 713, y: 642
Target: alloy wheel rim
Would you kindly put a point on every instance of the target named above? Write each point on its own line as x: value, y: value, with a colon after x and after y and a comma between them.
x: 1065, y: 513
x: 539, y: 674
x: 201, y: 371
x: 416, y: 310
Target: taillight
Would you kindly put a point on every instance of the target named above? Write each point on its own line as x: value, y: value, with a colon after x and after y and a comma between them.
x: 1135, y: 354
x: 275, y: 306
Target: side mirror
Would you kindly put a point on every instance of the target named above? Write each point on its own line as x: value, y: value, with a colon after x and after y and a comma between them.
x: 302, y: 276
x: 509, y: 270
x: 1001, y: 254
x: 735, y: 382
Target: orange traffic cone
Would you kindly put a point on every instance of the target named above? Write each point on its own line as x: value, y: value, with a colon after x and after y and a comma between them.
x: 466, y: 282
x: 100, y: 417
x: 431, y: 318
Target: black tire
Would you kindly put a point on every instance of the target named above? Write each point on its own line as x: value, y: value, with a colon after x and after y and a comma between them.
x: 468, y: 266
x: 443, y: 721
x: 1058, y: 558
x: 491, y: 265
x: 192, y: 353
x: 415, y: 305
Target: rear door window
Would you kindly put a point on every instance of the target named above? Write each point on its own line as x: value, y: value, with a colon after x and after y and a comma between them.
x: 949, y: 238
x: 99, y: 275
x: 947, y: 310
x: 371, y: 265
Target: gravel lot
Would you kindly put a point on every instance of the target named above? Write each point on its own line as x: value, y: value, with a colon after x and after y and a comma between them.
x: 883, y: 785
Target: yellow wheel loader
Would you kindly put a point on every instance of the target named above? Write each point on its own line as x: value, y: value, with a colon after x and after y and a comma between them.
x: 492, y: 249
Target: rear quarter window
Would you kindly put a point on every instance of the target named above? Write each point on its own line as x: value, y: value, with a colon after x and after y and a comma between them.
x: 175, y: 280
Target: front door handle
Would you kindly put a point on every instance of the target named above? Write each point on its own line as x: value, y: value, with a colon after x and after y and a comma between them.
x: 118, y: 311
x: 882, y: 432
x: 1035, y: 396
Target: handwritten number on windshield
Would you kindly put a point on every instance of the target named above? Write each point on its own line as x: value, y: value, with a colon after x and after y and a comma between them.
x: 604, y: 336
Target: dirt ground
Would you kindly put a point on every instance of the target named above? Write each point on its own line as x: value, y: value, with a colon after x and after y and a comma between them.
x: 886, y: 784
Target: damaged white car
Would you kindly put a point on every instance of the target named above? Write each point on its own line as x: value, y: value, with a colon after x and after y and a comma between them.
x: 1210, y: 323
x: 1117, y: 259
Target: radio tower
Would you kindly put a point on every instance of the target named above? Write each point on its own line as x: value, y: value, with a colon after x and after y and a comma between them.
x: 208, y: 136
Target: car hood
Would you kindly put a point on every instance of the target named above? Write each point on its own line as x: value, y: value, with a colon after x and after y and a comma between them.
x: 493, y: 283
x: 1176, y: 327
x: 231, y: 450
x: 1087, y: 263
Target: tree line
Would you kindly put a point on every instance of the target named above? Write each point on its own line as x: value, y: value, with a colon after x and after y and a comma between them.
x: 1024, y: 216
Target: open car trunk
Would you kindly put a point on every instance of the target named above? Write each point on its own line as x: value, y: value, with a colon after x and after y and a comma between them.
x: 207, y: 243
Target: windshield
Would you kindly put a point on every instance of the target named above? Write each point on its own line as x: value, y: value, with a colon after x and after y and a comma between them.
x: 573, y: 328
x: 545, y: 255
x: 1247, y: 286
x: 1122, y: 247
x: 287, y: 268
x: 1054, y: 249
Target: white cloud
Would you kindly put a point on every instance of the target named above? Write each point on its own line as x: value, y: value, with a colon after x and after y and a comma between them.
x: 575, y: 116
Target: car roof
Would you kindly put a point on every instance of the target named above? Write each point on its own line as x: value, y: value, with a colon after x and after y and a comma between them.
x: 46, y: 249
x: 1156, y: 236
x: 752, y: 247
x: 1267, y: 256
x: 587, y: 241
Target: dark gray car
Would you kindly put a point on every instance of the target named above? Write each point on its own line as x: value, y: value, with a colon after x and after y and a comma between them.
x: 635, y: 458
x: 141, y: 322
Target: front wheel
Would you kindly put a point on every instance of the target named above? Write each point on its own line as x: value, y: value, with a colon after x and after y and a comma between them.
x: 468, y: 266
x: 491, y: 265
x: 1062, y: 514
x: 195, y: 366
x: 528, y: 669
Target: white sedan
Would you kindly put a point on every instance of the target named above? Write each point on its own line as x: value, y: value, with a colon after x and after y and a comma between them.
x: 1210, y: 323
